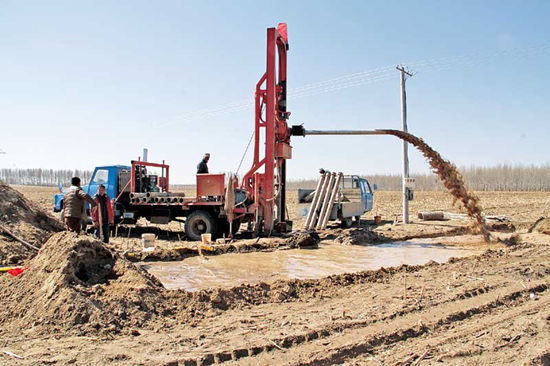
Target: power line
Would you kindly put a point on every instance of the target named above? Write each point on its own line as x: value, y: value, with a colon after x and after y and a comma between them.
x: 362, y: 78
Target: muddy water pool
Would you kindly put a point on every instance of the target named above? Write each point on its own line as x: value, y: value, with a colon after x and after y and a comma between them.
x: 228, y: 270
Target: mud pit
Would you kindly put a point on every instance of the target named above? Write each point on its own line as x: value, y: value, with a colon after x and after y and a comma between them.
x: 229, y: 270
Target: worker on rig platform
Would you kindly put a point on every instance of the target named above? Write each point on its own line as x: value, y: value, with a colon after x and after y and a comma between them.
x: 202, y: 168
x: 102, y: 215
x: 73, y: 205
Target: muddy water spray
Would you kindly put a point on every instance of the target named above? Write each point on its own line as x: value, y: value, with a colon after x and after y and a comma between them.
x: 451, y: 178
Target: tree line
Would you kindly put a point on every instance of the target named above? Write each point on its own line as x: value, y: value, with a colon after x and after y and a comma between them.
x: 43, y: 177
x: 502, y: 177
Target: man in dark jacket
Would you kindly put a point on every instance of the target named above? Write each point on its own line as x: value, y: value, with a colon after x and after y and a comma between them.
x: 74, y: 205
x: 202, y: 168
x: 102, y: 214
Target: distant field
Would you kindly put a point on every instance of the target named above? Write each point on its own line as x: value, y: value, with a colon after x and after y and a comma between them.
x: 518, y: 206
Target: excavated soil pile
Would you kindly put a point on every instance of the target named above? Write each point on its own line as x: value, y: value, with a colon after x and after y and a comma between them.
x: 356, y: 236
x: 77, y: 284
x: 542, y: 226
x: 451, y: 178
x: 303, y: 240
x: 24, y: 219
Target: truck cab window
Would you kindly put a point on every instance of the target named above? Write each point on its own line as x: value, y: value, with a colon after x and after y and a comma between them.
x: 101, y: 176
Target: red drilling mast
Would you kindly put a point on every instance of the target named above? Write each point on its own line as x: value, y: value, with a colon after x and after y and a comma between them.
x: 267, y: 188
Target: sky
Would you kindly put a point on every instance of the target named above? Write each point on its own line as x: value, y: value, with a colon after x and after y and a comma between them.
x: 91, y: 83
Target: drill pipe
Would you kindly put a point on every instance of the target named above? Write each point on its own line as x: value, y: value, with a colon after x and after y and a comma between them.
x: 345, y: 132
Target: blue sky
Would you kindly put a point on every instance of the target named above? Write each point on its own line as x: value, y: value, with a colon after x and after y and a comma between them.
x: 92, y: 82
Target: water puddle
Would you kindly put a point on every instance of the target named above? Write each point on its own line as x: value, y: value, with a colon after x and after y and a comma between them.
x: 228, y: 270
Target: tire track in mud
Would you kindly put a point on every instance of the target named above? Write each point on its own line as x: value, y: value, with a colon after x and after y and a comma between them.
x: 347, y: 352
x: 292, y: 342
x: 452, y: 340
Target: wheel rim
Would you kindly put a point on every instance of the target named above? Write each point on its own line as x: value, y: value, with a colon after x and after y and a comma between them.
x: 199, y: 227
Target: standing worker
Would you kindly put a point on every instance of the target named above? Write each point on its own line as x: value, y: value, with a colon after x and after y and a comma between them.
x: 74, y: 207
x: 102, y: 214
x: 202, y: 168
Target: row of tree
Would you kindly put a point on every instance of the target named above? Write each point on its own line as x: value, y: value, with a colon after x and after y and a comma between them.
x: 498, y: 178
x: 502, y: 177
x: 43, y: 177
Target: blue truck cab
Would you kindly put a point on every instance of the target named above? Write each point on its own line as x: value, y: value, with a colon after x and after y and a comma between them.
x: 106, y: 175
x: 366, y: 191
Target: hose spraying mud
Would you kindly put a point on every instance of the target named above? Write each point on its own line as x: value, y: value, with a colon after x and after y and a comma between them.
x: 451, y: 178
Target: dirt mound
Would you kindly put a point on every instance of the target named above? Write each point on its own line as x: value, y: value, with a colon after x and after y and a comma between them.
x: 542, y: 226
x: 451, y: 178
x: 77, y: 284
x: 356, y: 236
x: 303, y: 239
x: 501, y: 226
x: 25, y: 220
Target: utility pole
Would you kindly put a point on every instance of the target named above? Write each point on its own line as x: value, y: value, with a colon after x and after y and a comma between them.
x: 404, y: 74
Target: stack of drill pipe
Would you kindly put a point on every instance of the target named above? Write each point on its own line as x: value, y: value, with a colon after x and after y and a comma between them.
x: 316, y: 194
x: 318, y: 207
x: 157, y: 194
x: 157, y: 197
x: 137, y: 195
x: 329, y: 203
x: 319, y: 192
x: 326, y: 203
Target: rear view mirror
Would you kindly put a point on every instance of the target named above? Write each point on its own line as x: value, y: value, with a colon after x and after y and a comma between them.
x: 375, y: 186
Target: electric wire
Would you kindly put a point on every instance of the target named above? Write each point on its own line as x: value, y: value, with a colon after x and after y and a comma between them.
x: 363, y: 78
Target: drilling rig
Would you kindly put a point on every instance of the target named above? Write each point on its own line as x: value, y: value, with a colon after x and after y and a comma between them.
x: 221, y: 205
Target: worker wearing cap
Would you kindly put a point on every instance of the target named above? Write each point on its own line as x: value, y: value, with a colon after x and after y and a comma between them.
x: 102, y: 215
x: 74, y: 205
x: 202, y: 168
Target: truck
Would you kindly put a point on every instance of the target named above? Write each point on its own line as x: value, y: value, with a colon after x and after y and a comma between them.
x: 137, y: 193
x: 353, y: 196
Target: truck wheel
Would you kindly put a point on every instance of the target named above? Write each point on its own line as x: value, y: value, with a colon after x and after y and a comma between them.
x: 346, y: 223
x: 200, y: 222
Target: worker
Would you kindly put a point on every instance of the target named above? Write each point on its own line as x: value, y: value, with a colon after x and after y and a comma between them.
x: 74, y: 207
x: 202, y: 168
x: 102, y: 214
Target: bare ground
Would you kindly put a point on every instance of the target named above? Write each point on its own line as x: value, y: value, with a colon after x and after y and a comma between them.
x: 470, y: 311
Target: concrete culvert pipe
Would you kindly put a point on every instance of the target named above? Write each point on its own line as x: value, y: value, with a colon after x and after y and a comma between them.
x: 432, y: 215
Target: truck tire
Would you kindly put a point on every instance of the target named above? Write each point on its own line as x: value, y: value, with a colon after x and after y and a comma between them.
x: 346, y: 223
x: 200, y: 222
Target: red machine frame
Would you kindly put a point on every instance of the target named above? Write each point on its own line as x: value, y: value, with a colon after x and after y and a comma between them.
x: 164, y: 182
x: 268, y: 189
